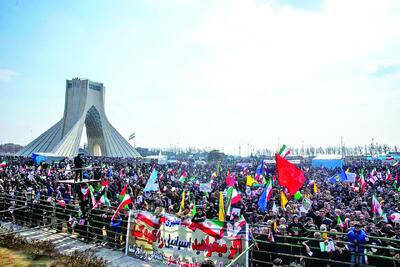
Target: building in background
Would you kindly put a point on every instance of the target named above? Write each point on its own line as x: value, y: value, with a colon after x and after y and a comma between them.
x: 84, y: 105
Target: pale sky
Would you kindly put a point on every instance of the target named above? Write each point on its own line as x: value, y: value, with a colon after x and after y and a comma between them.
x: 215, y: 73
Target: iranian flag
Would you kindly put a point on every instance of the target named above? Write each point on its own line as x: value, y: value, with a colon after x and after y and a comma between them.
x: 376, y: 206
x: 269, y: 190
x: 284, y: 151
x: 72, y: 221
x: 234, y: 231
x: 339, y: 221
x: 373, y: 179
x: 362, y: 181
x: 233, y: 197
x: 126, y: 201
x: 183, y: 178
x: 123, y: 192
x: 3, y: 164
x: 105, y: 201
x: 373, y: 172
x: 212, y: 228
x: 104, y: 184
x: 388, y: 175
x: 94, y: 202
x: 271, y: 236
x: 395, y: 217
x: 149, y: 219
x: 241, y: 222
x: 49, y: 171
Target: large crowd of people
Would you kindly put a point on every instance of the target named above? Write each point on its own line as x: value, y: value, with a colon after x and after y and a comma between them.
x: 331, y: 220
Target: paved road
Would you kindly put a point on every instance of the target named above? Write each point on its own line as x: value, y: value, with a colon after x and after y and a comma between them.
x: 67, y: 244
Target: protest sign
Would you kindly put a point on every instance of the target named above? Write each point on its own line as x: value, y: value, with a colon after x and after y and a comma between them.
x: 205, y: 187
x: 165, y: 239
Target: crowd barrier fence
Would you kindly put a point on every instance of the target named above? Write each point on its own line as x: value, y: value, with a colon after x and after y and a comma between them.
x: 25, y: 210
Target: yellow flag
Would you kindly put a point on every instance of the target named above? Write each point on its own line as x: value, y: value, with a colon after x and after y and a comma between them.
x: 348, y: 170
x: 275, y: 226
x: 315, y: 188
x: 250, y: 180
x: 221, y: 212
x: 284, y: 200
x: 325, y: 235
x: 182, y: 207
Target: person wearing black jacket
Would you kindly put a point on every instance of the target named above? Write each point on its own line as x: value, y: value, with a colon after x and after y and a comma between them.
x: 264, y: 246
x: 200, y: 216
x: 296, y: 229
x: 283, y: 249
x: 211, y: 212
x: 312, y: 249
x: 96, y: 172
x: 78, y: 164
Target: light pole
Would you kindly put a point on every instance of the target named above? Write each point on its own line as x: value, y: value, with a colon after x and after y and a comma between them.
x: 372, y: 146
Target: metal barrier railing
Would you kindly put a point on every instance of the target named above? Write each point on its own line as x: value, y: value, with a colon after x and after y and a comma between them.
x: 93, y: 228
x: 39, y: 213
x: 299, y: 255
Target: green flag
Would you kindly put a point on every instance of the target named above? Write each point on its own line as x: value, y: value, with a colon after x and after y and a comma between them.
x: 194, y: 209
x: 298, y: 195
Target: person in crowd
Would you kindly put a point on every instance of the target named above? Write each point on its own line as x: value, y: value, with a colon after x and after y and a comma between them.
x: 207, y: 263
x: 277, y: 262
x: 78, y: 164
x: 200, y: 216
x: 357, y: 238
x: 339, y: 206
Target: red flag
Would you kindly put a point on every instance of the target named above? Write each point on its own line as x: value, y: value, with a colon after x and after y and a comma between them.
x: 230, y: 179
x: 289, y: 175
x: 104, y: 183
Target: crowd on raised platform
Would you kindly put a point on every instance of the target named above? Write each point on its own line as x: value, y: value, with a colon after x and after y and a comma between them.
x: 363, y: 212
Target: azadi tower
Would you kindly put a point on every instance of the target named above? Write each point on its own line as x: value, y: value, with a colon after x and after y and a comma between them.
x: 84, y: 105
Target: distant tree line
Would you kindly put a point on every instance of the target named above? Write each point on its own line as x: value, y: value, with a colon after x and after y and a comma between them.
x: 9, y: 148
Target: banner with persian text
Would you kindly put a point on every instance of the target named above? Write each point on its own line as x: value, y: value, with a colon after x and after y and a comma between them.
x: 168, y: 240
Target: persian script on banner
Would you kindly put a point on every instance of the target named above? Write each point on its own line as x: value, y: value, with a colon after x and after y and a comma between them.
x: 165, y: 239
